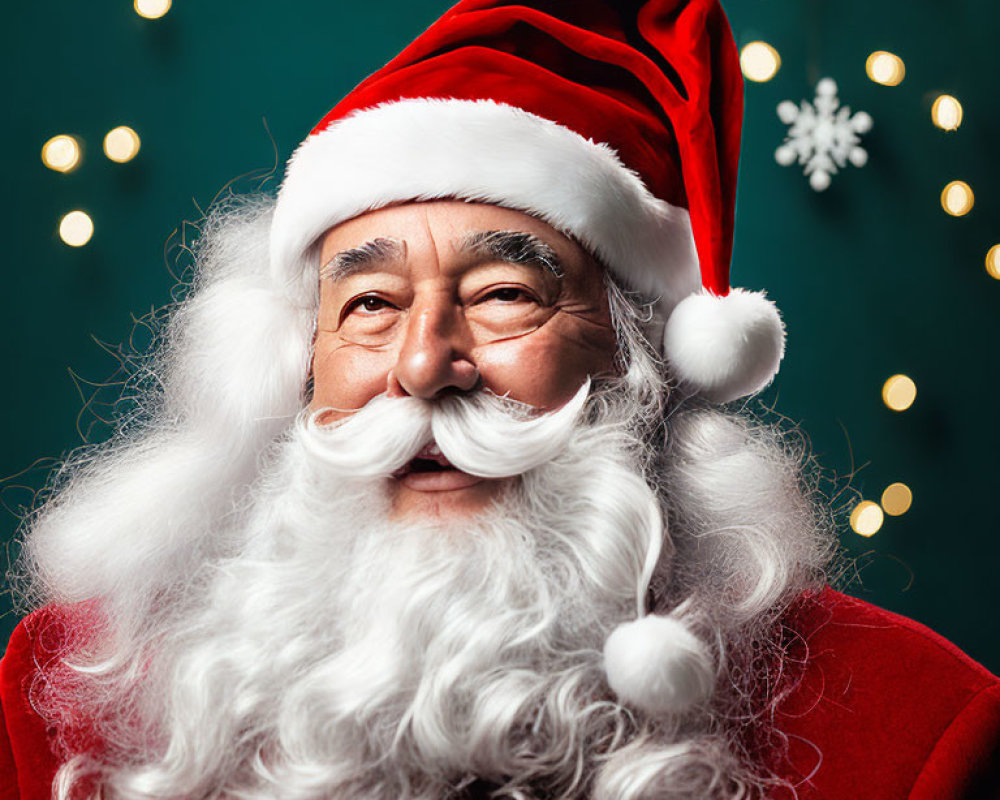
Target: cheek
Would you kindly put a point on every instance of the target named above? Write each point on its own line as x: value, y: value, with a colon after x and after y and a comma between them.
x: 346, y: 376
x: 542, y: 369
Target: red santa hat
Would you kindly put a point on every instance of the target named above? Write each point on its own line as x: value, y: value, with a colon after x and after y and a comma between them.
x: 615, y: 121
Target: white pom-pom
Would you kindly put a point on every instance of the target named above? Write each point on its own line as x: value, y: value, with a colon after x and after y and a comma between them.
x: 657, y: 664
x: 724, y: 347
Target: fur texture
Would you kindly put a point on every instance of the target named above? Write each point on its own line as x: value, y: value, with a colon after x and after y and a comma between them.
x: 727, y: 347
x: 422, y: 149
x: 657, y: 664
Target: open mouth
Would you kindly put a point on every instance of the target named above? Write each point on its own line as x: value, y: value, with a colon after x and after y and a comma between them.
x: 430, y: 471
x: 429, y: 459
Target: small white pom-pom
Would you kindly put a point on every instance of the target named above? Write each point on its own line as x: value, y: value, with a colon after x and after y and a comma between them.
x: 724, y: 347
x: 658, y: 665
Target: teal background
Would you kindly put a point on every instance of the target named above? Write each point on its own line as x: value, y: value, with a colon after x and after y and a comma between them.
x: 873, y: 278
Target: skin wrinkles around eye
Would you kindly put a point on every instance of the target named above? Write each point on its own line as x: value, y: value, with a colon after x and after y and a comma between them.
x: 507, y: 246
x: 506, y: 295
x: 386, y: 290
x: 361, y: 303
x: 507, y: 283
x: 488, y: 312
x: 494, y: 319
x: 507, y: 301
x: 355, y: 324
x: 512, y: 248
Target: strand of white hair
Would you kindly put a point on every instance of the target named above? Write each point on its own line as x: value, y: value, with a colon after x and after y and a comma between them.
x: 238, y: 630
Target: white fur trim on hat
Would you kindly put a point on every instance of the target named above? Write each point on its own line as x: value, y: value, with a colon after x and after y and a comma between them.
x: 657, y: 664
x: 480, y: 150
x: 724, y: 347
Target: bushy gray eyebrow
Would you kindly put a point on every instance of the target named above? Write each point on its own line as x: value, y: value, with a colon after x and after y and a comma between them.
x: 381, y: 250
x: 515, y: 247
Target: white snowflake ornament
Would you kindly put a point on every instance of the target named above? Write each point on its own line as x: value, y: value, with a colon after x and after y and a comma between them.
x: 822, y: 135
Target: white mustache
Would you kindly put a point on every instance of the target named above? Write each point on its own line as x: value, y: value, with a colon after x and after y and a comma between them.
x: 482, y: 434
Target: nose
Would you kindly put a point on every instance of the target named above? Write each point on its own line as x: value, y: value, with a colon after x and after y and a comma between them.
x: 435, y: 354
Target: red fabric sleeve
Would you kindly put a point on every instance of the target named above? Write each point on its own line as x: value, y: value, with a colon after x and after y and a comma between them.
x: 8, y: 770
x: 965, y: 763
x: 885, y: 709
x: 27, y: 762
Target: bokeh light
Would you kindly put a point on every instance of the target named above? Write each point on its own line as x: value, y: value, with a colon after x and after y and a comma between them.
x: 897, y: 499
x: 885, y: 68
x: 76, y: 228
x: 61, y: 153
x: 946, y: 112
x: 152, y: 9
x: 993, y: 262
x: 866, y: 518
x: 759, y: 61
x: 957, y: 198
x: 899, y: 392
x: 121, y: 144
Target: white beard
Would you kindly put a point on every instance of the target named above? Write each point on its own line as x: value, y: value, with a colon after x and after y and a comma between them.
x: 269, y: 634
x: 338, y: 653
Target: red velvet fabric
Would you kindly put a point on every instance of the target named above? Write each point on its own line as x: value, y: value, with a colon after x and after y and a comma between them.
x: 658, y: 80
x: 885, y: 710
x: 27, y: 760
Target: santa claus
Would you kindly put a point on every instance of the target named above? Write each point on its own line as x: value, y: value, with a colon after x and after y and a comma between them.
x: 432, y: 492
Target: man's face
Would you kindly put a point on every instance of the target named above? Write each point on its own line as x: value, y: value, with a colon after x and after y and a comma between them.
x: 428, y: 298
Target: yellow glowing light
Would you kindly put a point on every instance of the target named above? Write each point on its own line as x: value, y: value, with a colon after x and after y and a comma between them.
x: 61, y: 153
x: 759, y: 61
x: 957, y: 198
x: 121, y: 144
x: 899, y: 392
x: 76, y: 228
x: 885, y: 68
x: 946, y: 112
x: 866, y: 518
x: 152, y: 9
x: 993, y: 262
x: 896, y: 499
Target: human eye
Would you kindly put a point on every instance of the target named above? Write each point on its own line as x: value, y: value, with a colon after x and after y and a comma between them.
x: 504, y: 310
x: 368, y: 318
x: 506, y: 295
x: 366, y: 304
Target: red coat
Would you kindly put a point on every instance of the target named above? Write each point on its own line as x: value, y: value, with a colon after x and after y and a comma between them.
x: 886, y: 710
